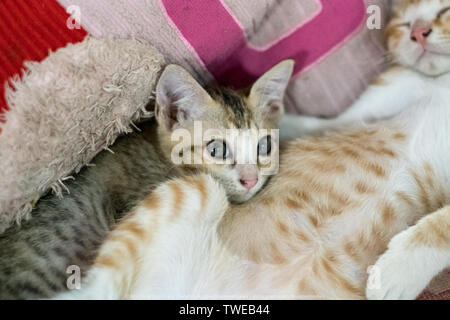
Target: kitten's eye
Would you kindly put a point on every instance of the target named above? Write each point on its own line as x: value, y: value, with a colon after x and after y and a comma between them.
x: 265, y: 146
x: 218, y: 149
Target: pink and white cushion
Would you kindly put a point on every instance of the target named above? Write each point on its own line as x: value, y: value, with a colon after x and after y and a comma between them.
x: 235, y: 41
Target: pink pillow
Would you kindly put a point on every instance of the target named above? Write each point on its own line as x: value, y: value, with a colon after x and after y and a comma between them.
x: 235, y: 41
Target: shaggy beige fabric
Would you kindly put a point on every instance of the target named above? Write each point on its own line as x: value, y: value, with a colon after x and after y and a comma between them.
x: 65, y: 110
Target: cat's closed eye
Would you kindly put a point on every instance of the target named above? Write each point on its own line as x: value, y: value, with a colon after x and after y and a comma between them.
x: 442, y: 12
x: 404, y: 24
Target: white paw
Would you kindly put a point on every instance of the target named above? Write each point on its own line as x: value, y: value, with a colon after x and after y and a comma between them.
x: 401, y: 273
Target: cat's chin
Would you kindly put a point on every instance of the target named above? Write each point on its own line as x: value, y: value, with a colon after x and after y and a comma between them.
x: 238, y: 199
x: 241, y: 197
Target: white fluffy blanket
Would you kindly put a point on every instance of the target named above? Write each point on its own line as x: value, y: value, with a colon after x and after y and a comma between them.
x: 66, y: 109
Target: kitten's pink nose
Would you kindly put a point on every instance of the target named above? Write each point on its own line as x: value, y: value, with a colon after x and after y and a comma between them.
x: 249, y: 183
x: 420, y: 33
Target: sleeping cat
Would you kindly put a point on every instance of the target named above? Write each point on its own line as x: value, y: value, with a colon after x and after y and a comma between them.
x: 379, y: 186
x: 418, y: 42
x: 34, y: 257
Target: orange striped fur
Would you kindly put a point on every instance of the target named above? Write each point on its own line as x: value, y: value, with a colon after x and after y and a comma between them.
x: 297, y: 234
x: 359, y: 209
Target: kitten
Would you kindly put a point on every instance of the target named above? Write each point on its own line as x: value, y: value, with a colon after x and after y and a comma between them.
x: 339, y: 201
x: 418, y: 42
x: 66, y: 232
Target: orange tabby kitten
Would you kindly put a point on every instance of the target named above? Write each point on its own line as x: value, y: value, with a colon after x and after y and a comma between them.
x: 318, y: 228
x: 313, y: 232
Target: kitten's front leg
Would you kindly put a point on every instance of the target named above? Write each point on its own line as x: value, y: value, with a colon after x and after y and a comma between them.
x: 172, y: 234
x: 413, y: 258
x: 187, y: 252
x: 113, y: 271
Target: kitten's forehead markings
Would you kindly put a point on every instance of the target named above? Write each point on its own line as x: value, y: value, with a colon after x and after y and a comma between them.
x: 237, y: 110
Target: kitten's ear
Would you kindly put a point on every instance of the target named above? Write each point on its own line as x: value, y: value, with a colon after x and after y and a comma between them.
x: 179, y: 97
x: 268, y: 91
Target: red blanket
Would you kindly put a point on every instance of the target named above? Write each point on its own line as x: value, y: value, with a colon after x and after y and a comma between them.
x: 29, y: 29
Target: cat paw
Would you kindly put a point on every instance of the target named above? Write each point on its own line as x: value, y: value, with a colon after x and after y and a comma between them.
x: 400, y: 273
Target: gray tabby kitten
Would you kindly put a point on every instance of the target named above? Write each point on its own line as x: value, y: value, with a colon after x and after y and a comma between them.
x: 34, y: 257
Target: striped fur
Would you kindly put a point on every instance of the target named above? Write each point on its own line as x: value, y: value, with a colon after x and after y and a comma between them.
x: 34, y: 257
x: 370, y: 194
x: 312, y: 233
